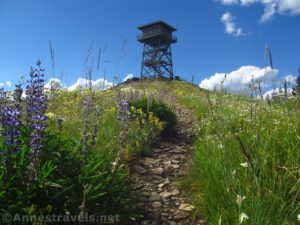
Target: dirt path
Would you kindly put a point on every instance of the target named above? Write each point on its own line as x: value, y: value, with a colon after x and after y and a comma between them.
x: 155, y: 179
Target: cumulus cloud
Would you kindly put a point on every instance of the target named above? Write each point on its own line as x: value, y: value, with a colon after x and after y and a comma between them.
x: 229, y: 2
x: 291, y: 80
x: 6, y: 84
x: 230, y: 27
x: 54, y: 83
x: 271, y: 94
x: 99, y: 84
x: 289, y: 6
x: 269, y: 12
x: 271, y: 7
x: 129, y: 76
x: 238, y: 81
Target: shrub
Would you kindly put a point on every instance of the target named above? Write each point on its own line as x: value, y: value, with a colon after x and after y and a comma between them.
x: 160, y: 110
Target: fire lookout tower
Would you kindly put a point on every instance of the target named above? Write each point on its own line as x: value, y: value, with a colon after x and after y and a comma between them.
x: 157, y: 38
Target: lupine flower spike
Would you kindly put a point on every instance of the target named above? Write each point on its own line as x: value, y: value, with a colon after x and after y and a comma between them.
x: 36, y: 105
x: 10, y: 120
x: 124, y: 116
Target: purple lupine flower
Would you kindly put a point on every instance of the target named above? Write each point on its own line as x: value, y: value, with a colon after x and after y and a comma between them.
x: 123, y: 111
x: 36, y: 105
x: 3, y: 98
x: 91, y: 115
x: 124, y: 116
x: 10, y: 121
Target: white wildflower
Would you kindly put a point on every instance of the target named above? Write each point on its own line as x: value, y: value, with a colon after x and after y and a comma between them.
x: 233, y: 173
x: 243, y: 217
x: 239, y: 200
x: 220, y: 146
x: 298, y: 217
x: 245, y: 164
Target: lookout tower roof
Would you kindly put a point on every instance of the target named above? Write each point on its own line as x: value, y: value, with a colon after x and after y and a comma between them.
x: 159, y: 22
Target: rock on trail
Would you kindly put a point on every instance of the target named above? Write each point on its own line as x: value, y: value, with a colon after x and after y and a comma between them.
x: 155, y: 178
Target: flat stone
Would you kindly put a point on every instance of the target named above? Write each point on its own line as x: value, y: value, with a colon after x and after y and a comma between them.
x: 156, y: 205
x: 158, y: 177
x: 179, y: 216
x: 169, y: 194
x: 175, y: 192
x: 186, y: 207
x: 157, y: 171
x: 156, y: 150
x: 167, y: 163
x: 147, y: 161
x: 139, y: 169
x: 136, y: 186
x: 175, y: 166
x: 178, y: 150
x: 154, y: 197
x: 161, y: 185
x: 167, y: 181
x: 175, y: 161
x: 166, y: 194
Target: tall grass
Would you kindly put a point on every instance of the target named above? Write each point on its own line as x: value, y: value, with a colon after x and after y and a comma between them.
x: 75, y: 170
x: 246, y: 161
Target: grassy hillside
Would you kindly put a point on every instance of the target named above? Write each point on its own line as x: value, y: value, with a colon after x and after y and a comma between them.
x: 246, y: 161
x: 72, y: 157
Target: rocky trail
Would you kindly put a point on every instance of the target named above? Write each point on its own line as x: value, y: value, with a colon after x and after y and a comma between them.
x: 155, y: 178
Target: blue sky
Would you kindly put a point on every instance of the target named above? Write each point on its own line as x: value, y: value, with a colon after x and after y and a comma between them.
x: 203, y: 49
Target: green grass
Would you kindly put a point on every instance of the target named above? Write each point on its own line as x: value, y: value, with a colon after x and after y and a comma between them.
x: 245, y: 149
x: 246, y: 159
x: 69, y: 181
x: 236, y: 131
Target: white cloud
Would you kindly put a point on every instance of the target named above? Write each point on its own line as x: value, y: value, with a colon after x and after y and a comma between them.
x: 269, y: 12
x: 289, y: 6
x: 277, y: 92
x: 272, y: 7
x: 129, y: 76
x: 238, y: 81
x: 54, y: 84
x: 241, y: 2
x: 291, y: 80
x: 99, y: 84
x: 8, y: 84
x: 229, y: 2
x: 230, y: 27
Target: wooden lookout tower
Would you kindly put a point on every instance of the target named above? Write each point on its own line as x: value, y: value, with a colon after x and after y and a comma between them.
x: 157, y: 38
